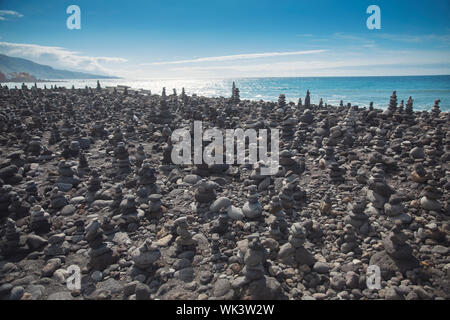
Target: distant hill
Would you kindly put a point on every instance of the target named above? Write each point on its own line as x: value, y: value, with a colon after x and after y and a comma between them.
x: 10, y: 65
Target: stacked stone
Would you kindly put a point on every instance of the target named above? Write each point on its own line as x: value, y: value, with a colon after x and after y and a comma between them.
x: 35, y: 146
x: 184, y: 241
x: 10, y: 175
x: 155, y: 205
x: 278, y: 227
x: 357, y: 218
x: 167, y: 152
x: 57, y: 246
x: 140, y: 155
x: 349, y: 241
x: 287, y: 197
x: 67, y: 177
x: 205, y: 191
x: 395, y: 209
x: 31, y: 189
x: 94, y: 183
x: 288, y: 128
x: 252, y: 208
x: 220, y: 225
x: 397, y: 254
x: 129, y: 213
x: 307, y: 100
x: 409, y: 106
x: 262, y: 181
x: 393, y: 103
x: 55, y: 136
x: 11, y: 242
x: 101, y: 255
x: 254, y: 258
x: 74, y: 148
x: 379, y: 142
x: 325, y: 205
x: 5, y: 199
x: 82, y: 162
x: 39, y: 220
x: 78, y: 234
x: 145, y: 256
x: 336, y: 173
x: 436, y: 111
x: 122, y: 159
x: 146, y: 177
x: 57, y: 199
x: 299, y: 103
x: 18, y: 207
x: 378, y: 192
x: 430, y: 197
x: 216, y: 254
x: 328, y: 158
x: 117, y: 199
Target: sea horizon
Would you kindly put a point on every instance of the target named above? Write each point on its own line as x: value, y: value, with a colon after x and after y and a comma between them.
x: 359, y: 90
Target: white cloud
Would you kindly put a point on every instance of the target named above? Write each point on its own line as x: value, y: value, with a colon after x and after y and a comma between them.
x: 58, y: 57
x: 5, y: 14
x: 237, y: 57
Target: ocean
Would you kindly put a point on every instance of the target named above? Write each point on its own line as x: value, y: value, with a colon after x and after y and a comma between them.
x: 358, y: 90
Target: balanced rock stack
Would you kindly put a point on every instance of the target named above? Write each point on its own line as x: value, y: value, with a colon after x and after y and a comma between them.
x: 429, y: 200
x: 67, y: 177
x: 94, y: 183
x: 101, y: 255
x: 145, y: 256
x: 278, y: 227
x: 397, y: 254
x: 419, y: 174
x: 294, y: 251
x: 146, y: 177
x: 155, y: 206
x: 117, y: 199
x: 129, y: 217
x: 378, y: 192
x: 205, y: 191
x: 220, y: 225
x: 260, y: 286
x: 39, y: 220
x: 184, y: 241
x: 140, y: 155
x: 336, y: 173
x: 349, y: 239
x: 122, y: 159
x: 357, y: 218
x: 436, y: 111
x: 252, y: 208
x: 57, y: 199
x: 57, y: 246
x: 287, y: 197
x: 11, y: 242
x: 395, y: 209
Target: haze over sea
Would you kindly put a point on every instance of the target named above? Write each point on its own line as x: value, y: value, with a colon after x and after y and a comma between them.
x: 357, y: 90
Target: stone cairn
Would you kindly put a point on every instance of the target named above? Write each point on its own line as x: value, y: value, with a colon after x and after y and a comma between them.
x: 100, y: 254
x: 57, y: 199
x: 397, y: 254
x: 336, y: 173
x: 39, y: 220
x: 395, y: 209
x: 254, y: 258
x: 287, y: 197
x: 67, y: 176
x: 129, y: 213
x: 122, y: 159
x: 83, y: 164
x: 117, y: 200
x: 145, y: 256
x: 57, y: 246
x: 216, y: 254
x: 378, y: 191
x: 11, y: 242
x: 436, y: 111
x: 140, y: 155
x: 357, y: 218
x: 294, y: 251
x: 392, y: 103
x: 325, y: 205
x: 278, y: 227
x: 252, y: 208
x: 94, y: 183
x: 184, y: 241
x: 205, y: 191
x: 155, y: 206
x: 430, y: 197
x: 307, y: 100
x: 146, y: 177
x: 349, y: 241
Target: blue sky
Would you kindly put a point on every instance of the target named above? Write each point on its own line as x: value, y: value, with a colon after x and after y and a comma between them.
x: 172, y: 39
